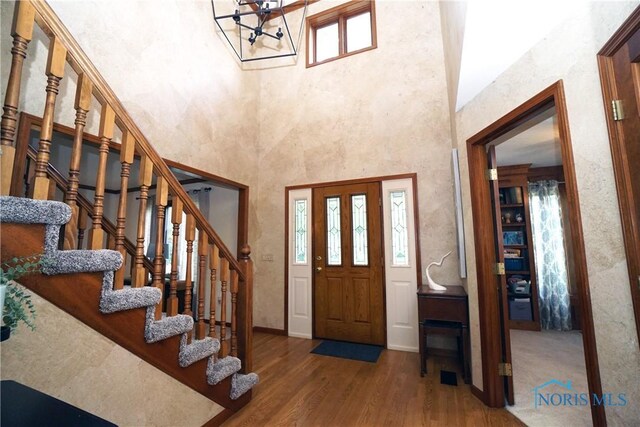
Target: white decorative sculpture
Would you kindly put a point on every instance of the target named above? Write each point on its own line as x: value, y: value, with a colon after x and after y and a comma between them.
x: 433, y: 285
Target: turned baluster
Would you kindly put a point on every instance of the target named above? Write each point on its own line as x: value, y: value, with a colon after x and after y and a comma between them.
x: 55, y: 72
x: 176, y: 219
x: 82, y: 225
x: 190, y: 236
x: 111, y: 241
x: 127, y: 149
x: 214, y: 259
x: 82, y: 105
x: 107, y: 123
x: 224, y: 279
x: 144, y: 180
x: 162, y: 198
x: 203, y: 245
x: 234, y: 303
x: 21, y: 31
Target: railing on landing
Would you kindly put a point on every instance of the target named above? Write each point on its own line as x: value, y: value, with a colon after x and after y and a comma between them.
x: 215, y: 262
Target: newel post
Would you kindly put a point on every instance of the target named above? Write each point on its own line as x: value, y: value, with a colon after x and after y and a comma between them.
x: 245, y: 310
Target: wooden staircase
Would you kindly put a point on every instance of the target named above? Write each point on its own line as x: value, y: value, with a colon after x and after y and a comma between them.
x: 218, y: 273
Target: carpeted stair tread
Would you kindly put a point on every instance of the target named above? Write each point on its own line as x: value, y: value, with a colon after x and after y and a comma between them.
x: 28, y: 211
x: 197, y: 350
x: 240, y: 384
x: 128, y: 298
x: 219, y: 369
x: 81, y: 261
x: 158, y: 330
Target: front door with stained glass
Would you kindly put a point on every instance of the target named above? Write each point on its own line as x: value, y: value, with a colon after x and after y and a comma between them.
x: 347, y: 246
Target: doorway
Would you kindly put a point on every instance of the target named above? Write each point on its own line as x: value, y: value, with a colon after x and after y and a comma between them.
x: 538, y: 289
x: 353, y: 261
x: 492, y: 284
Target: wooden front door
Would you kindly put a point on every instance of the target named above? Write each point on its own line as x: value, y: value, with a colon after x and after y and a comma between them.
x: 501, y: 282
x: 347, y: 253
x: 619, y: 63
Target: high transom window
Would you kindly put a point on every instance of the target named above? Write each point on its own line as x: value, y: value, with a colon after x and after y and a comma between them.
x: 341, y: 31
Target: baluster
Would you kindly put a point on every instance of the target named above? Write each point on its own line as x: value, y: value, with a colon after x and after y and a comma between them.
x: 176, y: 219
x: 82, y: 225
x: 224, y: 278
x: 203, y: 245
x: 22, y: 31
x: 111, y: 241
x: 234, y: 304
x: 245, y: 310
x: 190, y: 235
x: 82, y: 105
x: 162, y: 196
x: 127, y: 149
x: 55, y: 72
x: 144, y: 180
x: 214, y: 259
x: 51, y: 194
x: 107, y: 123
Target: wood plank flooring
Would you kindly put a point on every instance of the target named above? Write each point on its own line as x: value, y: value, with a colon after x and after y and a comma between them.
x: 298, y: 388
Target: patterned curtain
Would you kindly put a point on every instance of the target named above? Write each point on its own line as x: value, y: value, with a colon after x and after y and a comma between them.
x: 549, y: 253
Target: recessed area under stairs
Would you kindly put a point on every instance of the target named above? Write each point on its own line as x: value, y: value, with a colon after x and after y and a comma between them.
x: 304, y: 389
x: 539, y: 357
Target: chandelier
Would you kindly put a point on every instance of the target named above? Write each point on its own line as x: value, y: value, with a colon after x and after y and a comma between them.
x: 260, y: 29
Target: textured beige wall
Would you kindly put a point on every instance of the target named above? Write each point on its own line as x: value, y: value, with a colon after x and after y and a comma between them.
x: 569, y: 54
x: 70, y: 361
x: 168, y: 67
x: 381, y: 112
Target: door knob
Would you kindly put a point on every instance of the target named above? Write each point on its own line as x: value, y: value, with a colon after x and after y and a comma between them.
x: 318, y: 268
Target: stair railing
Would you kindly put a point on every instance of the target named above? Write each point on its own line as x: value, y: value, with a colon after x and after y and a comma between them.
x: 235, y: 276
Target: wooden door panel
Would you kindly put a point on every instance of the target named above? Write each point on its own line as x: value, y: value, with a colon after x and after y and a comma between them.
x: 348, y: 298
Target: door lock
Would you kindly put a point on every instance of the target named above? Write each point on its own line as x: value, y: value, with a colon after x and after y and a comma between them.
x: 319, y: 258
x: 318, y: 269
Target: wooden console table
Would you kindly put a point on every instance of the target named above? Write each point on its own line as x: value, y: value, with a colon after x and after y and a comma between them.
x: 444, y: 312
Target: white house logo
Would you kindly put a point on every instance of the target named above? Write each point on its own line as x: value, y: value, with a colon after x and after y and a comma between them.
x: 563, y: 394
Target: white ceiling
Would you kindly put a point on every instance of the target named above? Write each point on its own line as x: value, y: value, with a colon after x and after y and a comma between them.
x: 497, y: 33
x: 536, y: 142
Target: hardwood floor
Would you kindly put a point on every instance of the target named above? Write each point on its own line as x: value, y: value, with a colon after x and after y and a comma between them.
x: 304, y: 389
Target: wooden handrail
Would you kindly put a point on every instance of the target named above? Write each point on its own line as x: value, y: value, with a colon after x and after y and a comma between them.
x: 50, y: 23
x: 86, y: 206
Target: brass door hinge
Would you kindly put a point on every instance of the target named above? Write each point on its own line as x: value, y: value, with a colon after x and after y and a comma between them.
x: 618, y: 113
x: 498, y: 269
x: 492, y: 174
x: 504, y: 370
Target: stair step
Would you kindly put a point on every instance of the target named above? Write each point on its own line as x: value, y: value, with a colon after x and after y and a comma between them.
x: 28, y: 211
x: 81, y: 261
x: 197, y: 350
x: 218, y: 370
x: 158, y: 330
x: 127, y: 298
x: 240, y: 384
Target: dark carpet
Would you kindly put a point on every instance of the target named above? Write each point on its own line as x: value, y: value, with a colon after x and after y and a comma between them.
x: 349, y: 350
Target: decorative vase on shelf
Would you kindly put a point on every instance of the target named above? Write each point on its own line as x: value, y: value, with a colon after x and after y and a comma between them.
x: 433, y: 285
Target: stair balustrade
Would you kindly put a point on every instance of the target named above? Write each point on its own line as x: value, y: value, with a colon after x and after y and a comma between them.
x: 216, y: 263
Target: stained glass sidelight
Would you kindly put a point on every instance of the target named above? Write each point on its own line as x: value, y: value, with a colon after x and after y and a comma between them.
x: 300, y: 232
x: 334, y: 244
x: 399, y: 236
x: 359, y: 225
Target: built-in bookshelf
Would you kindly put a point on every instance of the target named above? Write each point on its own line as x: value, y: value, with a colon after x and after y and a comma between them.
x: 521, y: 289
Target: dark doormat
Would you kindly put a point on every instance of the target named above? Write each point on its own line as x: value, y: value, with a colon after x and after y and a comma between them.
x: 448, y: 378
x: 349, y: 350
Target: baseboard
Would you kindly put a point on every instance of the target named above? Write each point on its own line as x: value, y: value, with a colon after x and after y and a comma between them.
x: 271, y: 331
x: 478, y: 393
x: 403, y: 348
x: 220, y: 418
